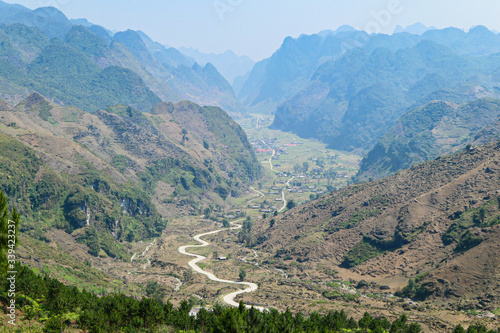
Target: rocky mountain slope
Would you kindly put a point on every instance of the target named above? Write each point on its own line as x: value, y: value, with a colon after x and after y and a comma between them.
x: 435, y: 129
x: 119, y: 173
x: 437, y: 223
x: 352, y: 102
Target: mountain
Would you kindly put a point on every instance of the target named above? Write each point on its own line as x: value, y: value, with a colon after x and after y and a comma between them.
x: 30, y: 61
x: 435, y: 129
x: 476, y: 42
x: 414, y: 29
x: 168, y: 56
x: 202, y: 84
x: 119, y: 173
x: 288, y: 70
x: 228, y: 63
x: 437, y: 223
x: 351, y: 102
x: 165, y: 71
x: 82, y: 21
x: 48, y: 20
x: 178, y: 74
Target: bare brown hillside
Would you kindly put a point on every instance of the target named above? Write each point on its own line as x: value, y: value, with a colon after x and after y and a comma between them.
x: 438, y: 221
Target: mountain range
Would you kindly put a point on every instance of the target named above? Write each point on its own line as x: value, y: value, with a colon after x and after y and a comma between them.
x: 352, y: 90
x: 141, y: 71
x: 295, y: 65
x: 230, y: 65
x: 352, y: 102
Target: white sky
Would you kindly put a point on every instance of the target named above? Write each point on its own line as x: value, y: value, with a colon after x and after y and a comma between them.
x: 257, y: 27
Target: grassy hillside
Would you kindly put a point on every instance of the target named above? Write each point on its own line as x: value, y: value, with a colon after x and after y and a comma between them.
x: 88, y: 201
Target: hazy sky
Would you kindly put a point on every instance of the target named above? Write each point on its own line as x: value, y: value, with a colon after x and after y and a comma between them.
x: 257, y: 27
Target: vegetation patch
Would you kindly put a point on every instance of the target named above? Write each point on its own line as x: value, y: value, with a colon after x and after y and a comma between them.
x: 359, y: 253
x: 416, y: 289
x: 485, y: 216
x: 359, y: 216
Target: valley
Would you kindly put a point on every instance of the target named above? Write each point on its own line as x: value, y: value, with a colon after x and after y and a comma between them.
x: 284, y: 283
x: 344, y: 181
x: 307, y: 285
x: 289, y: 273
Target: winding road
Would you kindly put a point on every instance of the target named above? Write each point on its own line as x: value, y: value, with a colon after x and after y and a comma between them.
x: 283, y: 194
x: 271, y: 158
x: 259, y: 194
x: 229, y: 299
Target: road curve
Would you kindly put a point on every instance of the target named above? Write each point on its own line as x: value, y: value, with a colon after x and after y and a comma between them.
x: 229, y: 299
x: 259, y: 195
x: 283, y: 194
x: 271, y: 158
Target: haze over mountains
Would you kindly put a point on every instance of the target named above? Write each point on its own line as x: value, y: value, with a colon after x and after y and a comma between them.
x: 130, y: 59
x: 348, y: 89
x: 228, y: 63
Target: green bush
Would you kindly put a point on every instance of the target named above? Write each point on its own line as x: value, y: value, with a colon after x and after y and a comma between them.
x: 359, y: 253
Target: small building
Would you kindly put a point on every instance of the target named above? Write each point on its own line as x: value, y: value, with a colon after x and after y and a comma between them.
x: 222, y: 258
x: 194, y: 312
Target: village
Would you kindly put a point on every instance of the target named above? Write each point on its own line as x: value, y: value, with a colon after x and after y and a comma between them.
x: 297, y: 172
